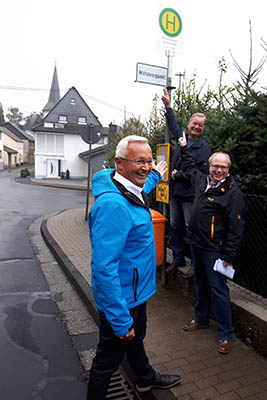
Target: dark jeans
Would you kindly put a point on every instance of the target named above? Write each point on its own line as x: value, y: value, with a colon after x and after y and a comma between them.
x: 212, y: 291
x: 180, y: 213
x: 110, y: 352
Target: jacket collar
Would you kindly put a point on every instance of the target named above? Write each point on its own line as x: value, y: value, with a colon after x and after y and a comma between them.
x: 129, y: 195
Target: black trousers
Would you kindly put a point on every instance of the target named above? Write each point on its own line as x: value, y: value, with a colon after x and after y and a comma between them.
x: 110, y: 352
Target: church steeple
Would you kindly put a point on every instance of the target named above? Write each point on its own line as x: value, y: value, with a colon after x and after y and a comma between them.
x: 54, y: 94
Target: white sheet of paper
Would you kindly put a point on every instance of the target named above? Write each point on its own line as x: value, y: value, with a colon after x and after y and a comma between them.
x: 227, y: 271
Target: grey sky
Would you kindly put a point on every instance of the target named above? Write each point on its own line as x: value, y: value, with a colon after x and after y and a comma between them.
x: 96, y: 45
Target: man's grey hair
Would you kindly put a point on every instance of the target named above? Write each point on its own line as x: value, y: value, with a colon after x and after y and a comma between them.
x: 200, y: 115
x: 221, y: 152
x: 122, y: 147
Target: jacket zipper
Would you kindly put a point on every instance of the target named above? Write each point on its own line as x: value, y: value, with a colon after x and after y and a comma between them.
x: 212, y: 227
x: 135, y: 282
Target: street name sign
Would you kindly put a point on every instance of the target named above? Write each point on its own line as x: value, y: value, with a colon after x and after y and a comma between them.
x: 151, y: 74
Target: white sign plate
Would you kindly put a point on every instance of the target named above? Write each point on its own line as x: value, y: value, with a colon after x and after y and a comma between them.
x: 151, y: 74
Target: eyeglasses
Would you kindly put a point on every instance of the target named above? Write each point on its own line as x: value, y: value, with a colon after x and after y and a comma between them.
x: 223, y: 167
x: 138, y: 161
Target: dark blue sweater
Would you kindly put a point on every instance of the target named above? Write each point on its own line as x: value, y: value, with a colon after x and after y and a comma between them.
x: 181, y: 187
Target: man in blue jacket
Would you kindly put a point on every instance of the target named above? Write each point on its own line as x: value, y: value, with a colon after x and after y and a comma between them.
x: 181, y: 191
x: 124, y: 265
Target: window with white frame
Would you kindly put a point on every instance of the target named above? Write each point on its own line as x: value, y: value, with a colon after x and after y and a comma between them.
x: 72, y: 102
x: 63, y: 119
x: 82, y: 120
x: 49, y: 143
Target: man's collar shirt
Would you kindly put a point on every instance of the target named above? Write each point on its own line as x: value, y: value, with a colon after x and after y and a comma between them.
x: 211, y: 184
x: 131, y: 187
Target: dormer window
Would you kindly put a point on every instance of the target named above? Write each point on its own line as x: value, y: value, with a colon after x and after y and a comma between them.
x: 72, y: 102
x: 48, y: 125
x: 82, y: 120
x: 63, y: 119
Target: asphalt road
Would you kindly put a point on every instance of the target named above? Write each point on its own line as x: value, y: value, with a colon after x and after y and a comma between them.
x: 38, y: 359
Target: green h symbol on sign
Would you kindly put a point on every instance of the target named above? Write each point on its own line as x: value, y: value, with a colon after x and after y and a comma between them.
x: 170, y: 22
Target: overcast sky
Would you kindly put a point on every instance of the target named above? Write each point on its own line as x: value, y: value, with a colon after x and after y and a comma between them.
x: 96, y: 45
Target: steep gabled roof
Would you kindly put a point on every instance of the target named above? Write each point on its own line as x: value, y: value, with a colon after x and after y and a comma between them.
x: 73, y: 106
x: 54, y: 94
x: 10, y: 134
x: 15, y: 129
x: 34, y: 120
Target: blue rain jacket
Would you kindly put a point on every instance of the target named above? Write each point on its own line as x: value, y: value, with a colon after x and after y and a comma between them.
x: 123, y: 261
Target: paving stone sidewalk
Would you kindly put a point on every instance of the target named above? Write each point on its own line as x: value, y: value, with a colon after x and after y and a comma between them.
x: 205, y: 373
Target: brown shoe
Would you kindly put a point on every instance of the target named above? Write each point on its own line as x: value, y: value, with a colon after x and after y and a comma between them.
x: 194, y: 326
x: 224, y: 346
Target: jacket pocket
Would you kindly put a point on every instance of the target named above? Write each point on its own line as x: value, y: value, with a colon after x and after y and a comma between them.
x: 212, y: 227
x: 135, y: 282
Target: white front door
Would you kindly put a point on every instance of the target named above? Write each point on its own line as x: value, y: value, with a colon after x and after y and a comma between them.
x: 52, y: 169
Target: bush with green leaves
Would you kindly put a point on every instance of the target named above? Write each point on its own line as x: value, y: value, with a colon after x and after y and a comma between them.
x: 24, y: 172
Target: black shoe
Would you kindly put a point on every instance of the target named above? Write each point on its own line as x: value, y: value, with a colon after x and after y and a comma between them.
x: 159, y: 381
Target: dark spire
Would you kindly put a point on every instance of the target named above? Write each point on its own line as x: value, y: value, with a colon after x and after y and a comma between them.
x: 54, y: 94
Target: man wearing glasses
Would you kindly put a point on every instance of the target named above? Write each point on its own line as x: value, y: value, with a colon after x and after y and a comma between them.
x: 124, y: 265
x: 215, y: 231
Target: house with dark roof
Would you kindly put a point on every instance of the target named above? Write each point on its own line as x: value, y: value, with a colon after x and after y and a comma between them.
x: 58, y: 143
x: 26, y: 138
x: 12, y: 148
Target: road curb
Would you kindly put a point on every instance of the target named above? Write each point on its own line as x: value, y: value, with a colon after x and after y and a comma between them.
x: 85, y: 292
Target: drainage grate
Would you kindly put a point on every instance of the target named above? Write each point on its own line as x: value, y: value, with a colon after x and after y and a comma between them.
x: 119, y: 389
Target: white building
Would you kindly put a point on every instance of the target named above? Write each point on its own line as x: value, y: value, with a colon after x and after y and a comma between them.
x: 58, y: 143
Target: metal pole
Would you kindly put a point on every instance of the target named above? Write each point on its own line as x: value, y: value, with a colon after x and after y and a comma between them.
x: 167, y: 140
x: 169, y: 88
x: 88, y: 173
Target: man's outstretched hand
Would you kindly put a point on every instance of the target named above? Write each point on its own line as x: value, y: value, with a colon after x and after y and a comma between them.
x: 161, y: 167
x: 166, y: 99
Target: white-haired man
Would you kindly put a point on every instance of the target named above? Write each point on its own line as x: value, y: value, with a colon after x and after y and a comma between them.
x: 214, y: 232
x: 124, y: 265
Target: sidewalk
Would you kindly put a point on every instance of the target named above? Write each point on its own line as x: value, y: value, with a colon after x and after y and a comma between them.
x: 205, y: 373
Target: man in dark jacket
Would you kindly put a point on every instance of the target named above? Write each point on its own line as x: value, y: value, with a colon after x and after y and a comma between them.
x: 214, y: 232
x: 181, y: 191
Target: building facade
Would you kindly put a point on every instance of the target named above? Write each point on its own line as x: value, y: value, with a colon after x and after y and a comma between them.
x: 58, y: 142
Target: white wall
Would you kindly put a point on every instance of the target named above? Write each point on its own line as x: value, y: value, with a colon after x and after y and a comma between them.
x: 73, y: 146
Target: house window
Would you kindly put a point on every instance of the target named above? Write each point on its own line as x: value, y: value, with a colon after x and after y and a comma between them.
x: 52, y: 144
x: 72, y: 102
x: 63, y: 119
x: 0, y: 153
x: 59, y: 144
x: 48, y: 125
x: 58, y: 125
x: 40, y: 143
x: 82, y: 120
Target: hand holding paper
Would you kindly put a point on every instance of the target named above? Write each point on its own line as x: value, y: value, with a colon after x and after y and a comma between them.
x: 227, y: 271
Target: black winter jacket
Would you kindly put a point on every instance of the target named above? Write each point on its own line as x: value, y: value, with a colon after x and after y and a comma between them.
x: 217, y: 220
x: 181, y: 187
